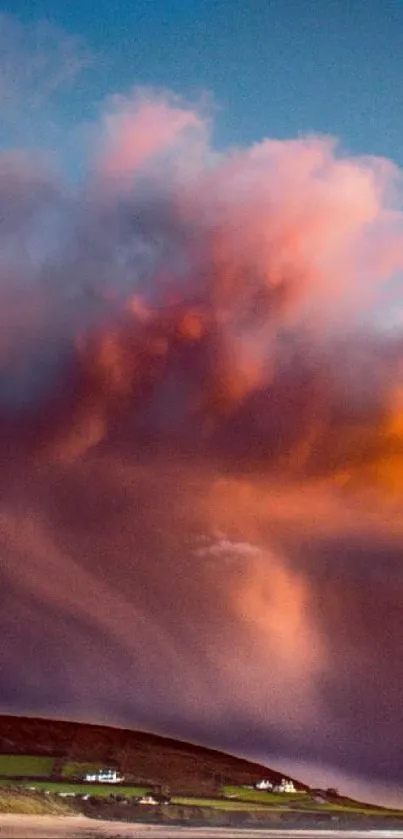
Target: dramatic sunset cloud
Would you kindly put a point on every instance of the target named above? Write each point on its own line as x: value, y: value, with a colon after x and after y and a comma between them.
x: 201, y: 421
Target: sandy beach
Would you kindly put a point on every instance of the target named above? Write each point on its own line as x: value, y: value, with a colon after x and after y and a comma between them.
x: 80, y: 827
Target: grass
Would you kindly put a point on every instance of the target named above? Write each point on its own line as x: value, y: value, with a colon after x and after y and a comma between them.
x: 310, y: 807
x: 84, y: 789
x: 218, y: 803
x: 237, y: 798
x: 263, y: 796
x: 14, y: 802
x: 304, y: 802
x: 26, y: 765
x: 75, y: 769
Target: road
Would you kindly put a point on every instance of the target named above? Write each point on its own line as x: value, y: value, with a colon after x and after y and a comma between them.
x: 79, y: 827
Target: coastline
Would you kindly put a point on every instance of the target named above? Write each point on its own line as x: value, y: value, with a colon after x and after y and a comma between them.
x: 77, y: 826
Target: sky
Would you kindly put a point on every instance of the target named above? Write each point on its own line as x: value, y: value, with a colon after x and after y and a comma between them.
x: 273, y: 67
x: 201, y: 394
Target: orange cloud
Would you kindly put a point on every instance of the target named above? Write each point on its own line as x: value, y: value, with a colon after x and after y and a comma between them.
x: 273, y: 604
x: 233, y: 281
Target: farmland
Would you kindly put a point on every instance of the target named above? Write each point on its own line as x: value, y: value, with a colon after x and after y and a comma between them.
x: 303, y: 801
x: 264, y: 796
x: 218, y: 804
x: 77, y: 769
x: 231, y: 798
x: 78, y: 789
x: 35, y: 773
x: 57, y: 776
x: 26, y: 766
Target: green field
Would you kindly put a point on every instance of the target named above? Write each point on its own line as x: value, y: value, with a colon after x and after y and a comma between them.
x: 233, y: 798
x: 308, y: 805
x: 26, y: 765
x: 76, y: 769
x: 264, y: 797
x: 219, y: 803
x: 80, y: 789
x: 303, y: 802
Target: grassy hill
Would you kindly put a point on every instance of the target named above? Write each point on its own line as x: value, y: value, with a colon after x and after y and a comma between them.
x: 142, y: 758
x: 42, y: 759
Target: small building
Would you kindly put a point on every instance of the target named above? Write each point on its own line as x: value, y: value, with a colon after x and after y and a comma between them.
x: 285, y: 786
x: 264, y: 785
x: 104, y: 776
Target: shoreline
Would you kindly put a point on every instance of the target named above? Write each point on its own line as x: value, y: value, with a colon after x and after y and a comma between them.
x: 78, y: 826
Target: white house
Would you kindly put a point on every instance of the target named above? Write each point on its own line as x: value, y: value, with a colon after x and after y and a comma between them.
x: 264, y: 785
x: 285, y: 786
x: 105, y: 776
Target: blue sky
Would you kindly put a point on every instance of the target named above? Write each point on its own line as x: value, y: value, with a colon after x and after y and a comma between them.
x: 274, y: 68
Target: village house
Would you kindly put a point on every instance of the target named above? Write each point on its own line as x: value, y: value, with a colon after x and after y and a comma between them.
x: 263, y: 785
x: 105, y: 776
x: 283, y: 786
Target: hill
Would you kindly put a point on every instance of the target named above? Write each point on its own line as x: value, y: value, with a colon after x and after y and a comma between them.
x: 141, y: 757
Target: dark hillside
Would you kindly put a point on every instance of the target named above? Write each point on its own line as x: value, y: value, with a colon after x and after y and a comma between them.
x: 141, y: 757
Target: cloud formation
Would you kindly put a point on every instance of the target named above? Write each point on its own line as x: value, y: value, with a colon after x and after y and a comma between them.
x: 39, y: 64
x: 242, y: 288
x: 201, y: 438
